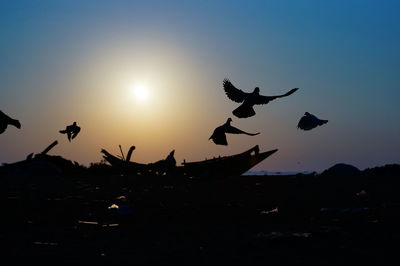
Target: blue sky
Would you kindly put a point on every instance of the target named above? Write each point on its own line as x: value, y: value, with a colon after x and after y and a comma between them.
x: 65, y: 61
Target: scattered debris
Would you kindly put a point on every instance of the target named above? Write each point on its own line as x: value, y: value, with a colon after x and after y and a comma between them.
x: 270, y: 211
x: 283, y: 235
x: 122, y: 198
x: 113, y: 206
x: 88, y: 222
x: 110, y: 225
x: 45, y: 243
x: 362, y: 193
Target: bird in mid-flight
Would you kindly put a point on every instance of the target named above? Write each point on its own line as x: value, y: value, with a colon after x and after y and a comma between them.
x: 248, y: 100
x: 71, y: 131
x: 309, y: 121
x: 219, y: 136
x: 5, y: 120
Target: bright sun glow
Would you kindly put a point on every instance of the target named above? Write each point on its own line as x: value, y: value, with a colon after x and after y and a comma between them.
x: 140, y: 92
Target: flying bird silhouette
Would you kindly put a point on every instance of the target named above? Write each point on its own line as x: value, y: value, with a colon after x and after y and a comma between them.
x: 219, y: 136
x: 71, y: 131
x: 5, y: 120
x: 247, y: 99
x: 309, y: 121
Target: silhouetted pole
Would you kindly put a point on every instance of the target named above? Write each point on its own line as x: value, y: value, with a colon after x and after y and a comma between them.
x: 123, y: 157
x: 128, y: 156
x: 51, y: 146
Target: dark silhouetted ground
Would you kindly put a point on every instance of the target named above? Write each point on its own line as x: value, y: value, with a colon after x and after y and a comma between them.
x: 101, y: 218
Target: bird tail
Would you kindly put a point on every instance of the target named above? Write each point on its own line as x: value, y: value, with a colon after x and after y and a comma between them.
x: 219, y: 139
x: 63, y: 131
x: 244, y: 111
x: 322, y: 122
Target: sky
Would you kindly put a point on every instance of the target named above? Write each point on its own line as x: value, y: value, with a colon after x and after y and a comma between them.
x: 66, y: 61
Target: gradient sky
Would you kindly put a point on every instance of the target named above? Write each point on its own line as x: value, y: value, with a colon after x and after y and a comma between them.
x: 65, y: 61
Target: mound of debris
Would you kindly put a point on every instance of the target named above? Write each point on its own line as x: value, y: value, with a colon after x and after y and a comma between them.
x: 41, y: 164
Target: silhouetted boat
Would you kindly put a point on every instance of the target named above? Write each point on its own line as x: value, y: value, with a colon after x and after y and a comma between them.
x: 221, y: 166
x: 122, y: 164
x: 227, y: 165
x: 160, y: 167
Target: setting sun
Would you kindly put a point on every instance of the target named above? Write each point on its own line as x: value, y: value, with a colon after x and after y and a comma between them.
x: 140, y: 92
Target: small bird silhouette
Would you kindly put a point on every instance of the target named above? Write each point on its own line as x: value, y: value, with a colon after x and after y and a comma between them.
x: 219, y: 136
x: 5, y: 120
x: 309, y: 121
x: 248, y: 100
x: 71, y: 131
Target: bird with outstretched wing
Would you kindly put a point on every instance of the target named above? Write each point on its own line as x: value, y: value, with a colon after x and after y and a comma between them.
x: 71, y: 131
x: 309, y: 121
x: 219, y: 137
x: 247, y: 99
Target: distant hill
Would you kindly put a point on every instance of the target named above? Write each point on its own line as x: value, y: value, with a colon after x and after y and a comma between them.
x: 341, y: 169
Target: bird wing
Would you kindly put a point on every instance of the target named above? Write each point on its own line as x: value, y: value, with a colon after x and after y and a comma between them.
x: 234, y: 93
x: 312, y: 117
x: 266, y: 99
x: 9, y: 120
x: 234, y: 130
x: 3, y: 116
x: 15, y: 123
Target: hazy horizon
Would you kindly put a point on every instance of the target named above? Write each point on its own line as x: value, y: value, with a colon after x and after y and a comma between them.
x: 66, y: 61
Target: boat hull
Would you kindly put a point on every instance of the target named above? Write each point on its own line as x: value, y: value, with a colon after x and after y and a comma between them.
x: 227, y: 166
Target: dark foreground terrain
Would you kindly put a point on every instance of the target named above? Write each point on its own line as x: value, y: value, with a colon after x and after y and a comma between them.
x: 336, y: 218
